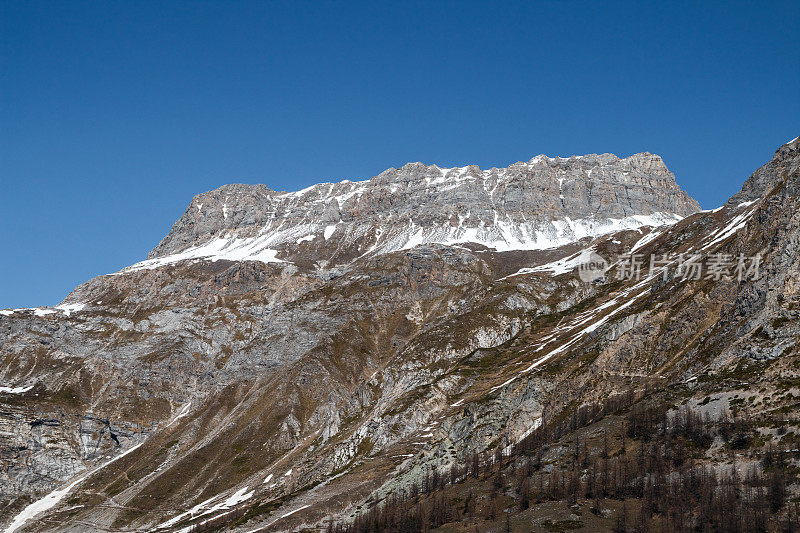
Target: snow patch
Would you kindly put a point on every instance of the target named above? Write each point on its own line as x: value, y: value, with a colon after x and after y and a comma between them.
x: 506, y: 236
x: 231, y: 249
x: 556, y: 268
x: 67, y: 309
x: 235, y: 499
x: 191, y: 512
x: 15, y: 390
x: 70, y: 308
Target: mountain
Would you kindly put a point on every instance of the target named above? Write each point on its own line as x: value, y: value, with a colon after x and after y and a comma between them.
x: 415, y: 350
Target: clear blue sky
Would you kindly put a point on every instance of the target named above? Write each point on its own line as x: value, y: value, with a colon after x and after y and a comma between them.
x: 114, y: 114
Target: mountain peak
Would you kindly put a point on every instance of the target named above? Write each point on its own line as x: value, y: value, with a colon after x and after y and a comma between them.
x: 546, y: 202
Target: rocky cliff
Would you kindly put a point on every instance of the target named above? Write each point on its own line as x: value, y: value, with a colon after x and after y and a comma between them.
x: 540, y: 204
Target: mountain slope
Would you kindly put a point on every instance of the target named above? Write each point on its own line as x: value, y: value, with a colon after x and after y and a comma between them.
x: 684, y: 390
x: 280, y: 393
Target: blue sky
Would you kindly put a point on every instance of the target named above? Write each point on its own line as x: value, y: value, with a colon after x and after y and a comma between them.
x: 114, y: 114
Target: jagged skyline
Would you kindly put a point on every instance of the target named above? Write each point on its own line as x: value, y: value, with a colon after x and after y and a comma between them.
x: 114, y: 118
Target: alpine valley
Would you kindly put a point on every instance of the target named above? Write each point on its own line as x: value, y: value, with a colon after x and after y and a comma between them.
x: 418, y: 352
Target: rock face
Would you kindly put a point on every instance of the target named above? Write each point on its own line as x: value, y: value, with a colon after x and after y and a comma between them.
x: 543, y: 203
x: 284, y: 358
x: 770, y: 175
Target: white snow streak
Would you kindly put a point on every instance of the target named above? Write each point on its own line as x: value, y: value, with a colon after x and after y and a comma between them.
x: 290, y: 513
x: 733, y: 226
x: 49, y: 501
x: 650, y: 237
x: 15, y: 390
x: 183, y: 412
x: 231, y: 249
x: 555, y: 268
x: 505, y: 235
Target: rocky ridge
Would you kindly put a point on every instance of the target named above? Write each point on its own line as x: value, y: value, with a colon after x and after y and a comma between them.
x: 539, y: 204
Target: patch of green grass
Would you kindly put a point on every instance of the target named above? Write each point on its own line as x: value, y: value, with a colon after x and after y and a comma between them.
x: 242, y: 464
x: 67, y: 395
